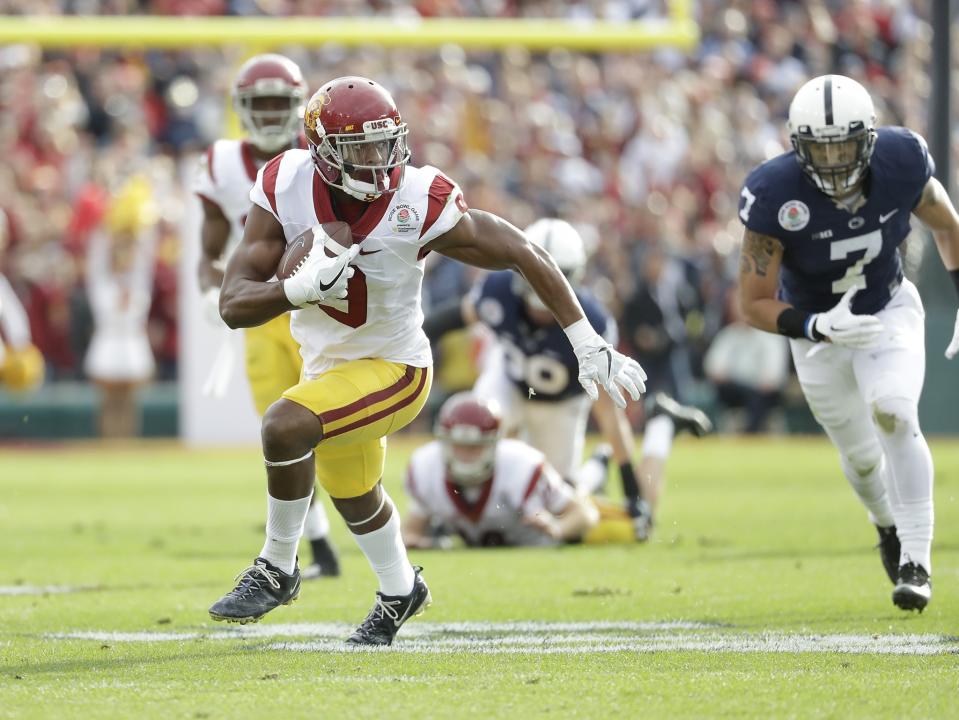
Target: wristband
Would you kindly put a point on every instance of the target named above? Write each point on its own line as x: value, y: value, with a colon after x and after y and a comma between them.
x: 795, y: 323
x: 954, y: 274
x: 581, y: 333
x: 295, y: 292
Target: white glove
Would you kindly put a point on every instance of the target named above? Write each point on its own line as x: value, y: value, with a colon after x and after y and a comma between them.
x: 211, y: 306
x: 842, y: 327
x: 600, y: 364
x: 954, y: 345
x: 321, y: 277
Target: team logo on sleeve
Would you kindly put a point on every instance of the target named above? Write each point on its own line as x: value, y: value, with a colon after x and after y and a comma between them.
x: 404, y: 219
x: 794, y: 215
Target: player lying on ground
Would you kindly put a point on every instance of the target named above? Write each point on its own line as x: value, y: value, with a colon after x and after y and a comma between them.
x: 495, y: 491
x: 821, y: 265
x: 357, y: 317
x: 269, y: 95
x: 531, y: 373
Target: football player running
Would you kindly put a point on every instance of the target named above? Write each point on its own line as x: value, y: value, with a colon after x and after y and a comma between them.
x: 531, y: 373
x: 269, y: 95
x: 821, y: 265
x: 357, y: 317
x: 495, y: 491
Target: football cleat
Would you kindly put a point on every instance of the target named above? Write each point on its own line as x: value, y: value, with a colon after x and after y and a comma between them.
x: 685, y: 417
x: 325, y: 562
x: 390, y: 612
x: 889, y: 551
x: 641, y: 514
x: 913, y: 587
x: 259, y: 589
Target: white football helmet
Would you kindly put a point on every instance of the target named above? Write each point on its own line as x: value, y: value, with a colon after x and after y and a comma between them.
x: 832, y: 126
x: 564, y: 244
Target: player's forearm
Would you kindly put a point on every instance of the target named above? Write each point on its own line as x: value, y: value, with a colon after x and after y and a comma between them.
x: 550, y: 284
x: 247, y: 303
x: 576, y: 520
x: 764, y: 313
x: 947, y: 241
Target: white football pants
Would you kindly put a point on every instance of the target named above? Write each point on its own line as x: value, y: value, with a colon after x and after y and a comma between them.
x: 867, y: 402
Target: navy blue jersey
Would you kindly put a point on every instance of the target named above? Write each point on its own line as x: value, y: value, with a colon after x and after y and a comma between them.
x: 537, y: 357
x: 828, y: 250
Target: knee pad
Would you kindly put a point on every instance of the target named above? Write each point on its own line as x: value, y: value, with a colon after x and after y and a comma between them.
x: 895, y: 415
x: 863, y: 458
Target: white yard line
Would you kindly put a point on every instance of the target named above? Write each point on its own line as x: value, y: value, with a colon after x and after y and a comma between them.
x: 551, y: 638
x: 46, y: 589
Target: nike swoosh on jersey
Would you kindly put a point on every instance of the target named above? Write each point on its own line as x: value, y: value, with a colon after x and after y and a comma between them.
x: 883, y: 218
x: 325, y: 287
x: 370, y: 252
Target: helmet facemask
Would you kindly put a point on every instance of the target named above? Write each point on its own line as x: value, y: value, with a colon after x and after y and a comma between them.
x: 469, y: 453
x: 838, y: 164
x: 270, y: 117
x: 361, y: 164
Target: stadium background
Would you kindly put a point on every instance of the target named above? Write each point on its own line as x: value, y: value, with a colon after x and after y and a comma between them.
x: 644, y: 150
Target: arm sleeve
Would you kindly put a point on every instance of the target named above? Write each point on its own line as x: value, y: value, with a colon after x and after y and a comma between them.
x: 445, y: 207
x: 203, y: 182
x: 547, y: 491
x: 14, y: 324
x: 263, y: 192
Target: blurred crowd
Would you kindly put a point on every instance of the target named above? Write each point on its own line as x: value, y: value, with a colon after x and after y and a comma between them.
x: 643, y: 153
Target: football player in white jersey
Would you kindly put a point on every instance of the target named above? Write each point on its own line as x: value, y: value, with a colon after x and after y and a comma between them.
x: 357, y: 317
x: 269, y: 95
x: 495, y: 491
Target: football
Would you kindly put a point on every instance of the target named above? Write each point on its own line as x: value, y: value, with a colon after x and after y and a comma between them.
x: 339, y: 239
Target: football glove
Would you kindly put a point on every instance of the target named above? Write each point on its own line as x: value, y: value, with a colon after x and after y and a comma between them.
x: 601, y: 364
x: 321, y: 277
x: 954, y: 345
x: 842, y: 327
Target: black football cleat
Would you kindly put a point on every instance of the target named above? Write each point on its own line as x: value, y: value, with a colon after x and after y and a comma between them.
x: 325, y: 562
x: 390, y: 612
x: 889, y: 551
x: 259, y: 589
x: 685, y: 417
x: 913, y: 587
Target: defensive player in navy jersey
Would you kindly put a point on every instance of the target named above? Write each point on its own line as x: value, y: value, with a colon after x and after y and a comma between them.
x: 820, y: 264
x: 531, y: 374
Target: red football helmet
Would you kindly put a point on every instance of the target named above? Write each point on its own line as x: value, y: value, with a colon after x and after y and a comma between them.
x: 357, y: 138
x: 269, y: 94
x: 469, y: 429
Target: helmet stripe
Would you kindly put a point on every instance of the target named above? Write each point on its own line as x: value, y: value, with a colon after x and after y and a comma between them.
x: 827, y: 93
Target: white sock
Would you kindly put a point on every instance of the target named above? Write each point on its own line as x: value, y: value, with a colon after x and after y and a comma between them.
x: 386, y: 553
x: 317, y: 523
x: 911, y: 473
x: 658, y: 437
x: 591, y: 476
x: 284, y: 525
x: 871, y: 490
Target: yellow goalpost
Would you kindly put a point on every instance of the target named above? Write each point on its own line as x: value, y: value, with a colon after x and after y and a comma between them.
x: 678, y: 30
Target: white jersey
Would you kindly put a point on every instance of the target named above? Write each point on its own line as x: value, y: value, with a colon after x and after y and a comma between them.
x: 382, y: 317
x: 224, y: 177
x: 14, y: 324
x: 522, y: 485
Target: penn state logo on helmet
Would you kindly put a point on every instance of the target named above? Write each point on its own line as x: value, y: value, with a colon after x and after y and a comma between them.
x: 794, y: 215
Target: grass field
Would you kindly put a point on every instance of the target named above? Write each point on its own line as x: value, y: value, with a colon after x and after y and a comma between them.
x: 760, y: 596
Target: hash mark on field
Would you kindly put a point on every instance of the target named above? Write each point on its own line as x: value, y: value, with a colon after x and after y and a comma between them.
x: 554, y: 638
